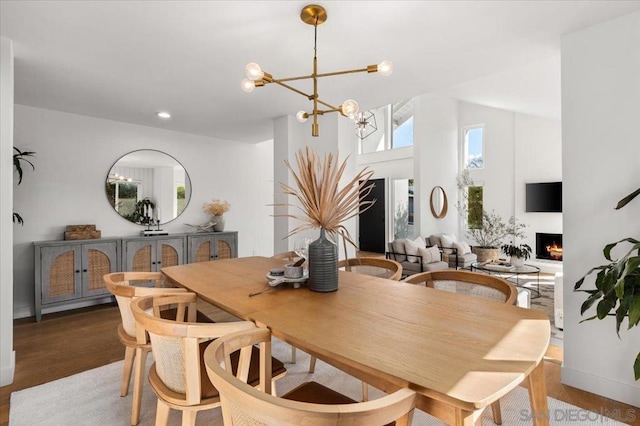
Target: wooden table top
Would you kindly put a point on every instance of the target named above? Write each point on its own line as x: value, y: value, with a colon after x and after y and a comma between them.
x: 452, y: 348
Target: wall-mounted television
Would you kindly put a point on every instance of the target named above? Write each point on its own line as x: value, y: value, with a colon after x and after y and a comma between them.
x: 544, y: 197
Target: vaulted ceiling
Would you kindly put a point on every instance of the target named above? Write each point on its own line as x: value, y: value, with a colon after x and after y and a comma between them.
x: 126, y: 60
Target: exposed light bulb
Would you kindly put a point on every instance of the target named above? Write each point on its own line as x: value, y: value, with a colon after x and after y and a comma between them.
x: 248, y: 85
x: 385, y: 67
x: 254, y: 71
x: 302, y: 116
x: 163, y: 114
x: 349, y: 108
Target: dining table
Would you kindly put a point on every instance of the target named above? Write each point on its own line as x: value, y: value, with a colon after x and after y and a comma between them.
x: 459, y: 353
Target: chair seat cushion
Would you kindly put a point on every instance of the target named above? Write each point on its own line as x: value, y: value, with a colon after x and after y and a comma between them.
x: 464, y: 260
x: 207, y: 388
x: 316, y: 393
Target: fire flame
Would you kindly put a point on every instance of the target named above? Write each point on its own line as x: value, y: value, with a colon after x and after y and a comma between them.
x: 555, y: 251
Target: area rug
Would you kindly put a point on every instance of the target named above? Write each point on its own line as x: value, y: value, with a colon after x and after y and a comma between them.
x: 92, y: 398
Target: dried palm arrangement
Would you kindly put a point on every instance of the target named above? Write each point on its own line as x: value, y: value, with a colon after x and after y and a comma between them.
x: 323, y: 204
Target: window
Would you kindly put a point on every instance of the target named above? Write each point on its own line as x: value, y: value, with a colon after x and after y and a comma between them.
x: 473, y: 147
x: 474, y: 213
x: 402, y: 124
x: 123, y: 196
x: 394, y: 123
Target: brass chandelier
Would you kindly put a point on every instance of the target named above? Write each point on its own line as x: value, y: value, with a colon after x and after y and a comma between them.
x: 315, y: 15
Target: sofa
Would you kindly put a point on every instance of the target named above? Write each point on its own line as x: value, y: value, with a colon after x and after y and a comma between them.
x: 415, y: 256
x: 458, y: 253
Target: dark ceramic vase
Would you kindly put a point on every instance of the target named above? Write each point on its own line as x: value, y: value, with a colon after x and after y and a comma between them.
x: 323, y: 264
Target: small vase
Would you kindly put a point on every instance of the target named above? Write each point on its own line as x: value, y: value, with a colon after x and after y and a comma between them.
x: 516, y: 261
x: 323, y: 265
x: 219, y: 223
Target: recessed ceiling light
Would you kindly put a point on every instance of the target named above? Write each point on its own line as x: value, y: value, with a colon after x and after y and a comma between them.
x: 163, y: 114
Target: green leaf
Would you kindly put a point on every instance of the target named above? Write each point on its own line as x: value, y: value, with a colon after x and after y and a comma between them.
x: 636, y: 367
x: 590, y: 301
x: 621, y: 313
x: 17, y: 218
x: 605, y: 306
x: 631, y: 266
x: 625, y: 201
x: 634, y: 311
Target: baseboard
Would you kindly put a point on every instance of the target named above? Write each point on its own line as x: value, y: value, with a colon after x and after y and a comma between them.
x: 623, y: 392
x: 28, y: 311
x: 7, y: 372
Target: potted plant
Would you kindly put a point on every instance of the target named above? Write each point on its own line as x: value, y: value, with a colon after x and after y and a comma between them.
x: 517, y: 253
x: 617, y: 285
x: 216, y: 209
x: 487, y: 229
x: 19, y: 157
x: 323, y: 204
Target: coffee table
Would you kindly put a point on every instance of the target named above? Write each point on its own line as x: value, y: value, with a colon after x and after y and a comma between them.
x: 509, y: 273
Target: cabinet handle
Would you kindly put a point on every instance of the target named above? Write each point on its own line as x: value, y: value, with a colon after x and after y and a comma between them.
x: 159, y: 262
x: 153, y: 263
x: 77, y: 271
x: 84, y: 270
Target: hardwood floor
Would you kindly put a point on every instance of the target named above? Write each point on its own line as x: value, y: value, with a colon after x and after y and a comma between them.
x: 70, y: 342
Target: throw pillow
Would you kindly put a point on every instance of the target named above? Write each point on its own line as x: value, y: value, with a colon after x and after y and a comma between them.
x: 421, y: 242
x: 446, y: 240
x: 463, y: 248
x: 426, y: 255
x: 398, y: 247
x: 411, y: 247
x: 467, y: 247
x: 434, y: 253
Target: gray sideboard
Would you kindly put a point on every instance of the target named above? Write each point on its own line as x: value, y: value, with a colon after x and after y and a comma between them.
x: 71, y: 271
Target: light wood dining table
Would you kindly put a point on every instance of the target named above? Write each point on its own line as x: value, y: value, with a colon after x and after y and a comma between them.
x: 459, y: 353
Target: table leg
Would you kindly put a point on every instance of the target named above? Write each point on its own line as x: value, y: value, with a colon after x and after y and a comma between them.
x: 536, y: 383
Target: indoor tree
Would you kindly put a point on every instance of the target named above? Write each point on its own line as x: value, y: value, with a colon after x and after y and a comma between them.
x: 617, y: 285
x: 20, y: 158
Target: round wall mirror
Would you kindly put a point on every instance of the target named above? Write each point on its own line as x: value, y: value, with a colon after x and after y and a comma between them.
x: 439, y: 203
x: 148, y: 187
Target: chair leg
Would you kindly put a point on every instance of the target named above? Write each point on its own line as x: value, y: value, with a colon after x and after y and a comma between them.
x: 497, y: 414
x: 162, y: 414
x: 365, y: 392
x: 312, y: 364
x: 293, y: 354
x: 141, y: 358
x: 129, y: 354
x: 189, y: 417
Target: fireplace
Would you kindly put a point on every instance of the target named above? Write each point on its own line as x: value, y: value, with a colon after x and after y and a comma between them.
x: 549, y: 246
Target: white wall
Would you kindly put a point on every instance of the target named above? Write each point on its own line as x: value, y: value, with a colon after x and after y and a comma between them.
x: 7, y: 354
x: 74, y: 155
x: 497, y: 176
x: 519, y: 148
x: 290, y: 136
x: 435, y: 162
x: 538, y: 158
x: 601, y: 152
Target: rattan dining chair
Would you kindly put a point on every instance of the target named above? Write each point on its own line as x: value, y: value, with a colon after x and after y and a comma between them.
x: 374, y: 266
x: 473, y: 284
x: 310, y: 403
x: 177, y: 376
x: 290, y: 256
x: 123, y: 285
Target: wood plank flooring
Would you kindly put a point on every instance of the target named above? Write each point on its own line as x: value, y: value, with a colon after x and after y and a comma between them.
x: 70, y: 342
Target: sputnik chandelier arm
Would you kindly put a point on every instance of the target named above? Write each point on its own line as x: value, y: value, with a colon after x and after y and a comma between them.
x: 313, y: 15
